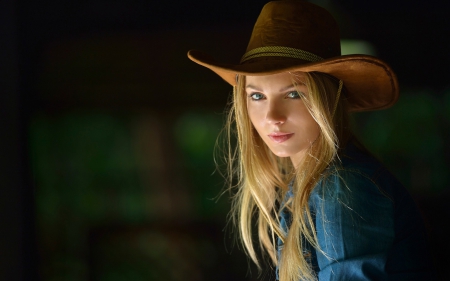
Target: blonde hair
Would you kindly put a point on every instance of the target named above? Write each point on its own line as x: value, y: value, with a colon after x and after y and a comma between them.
x: 260, y: 179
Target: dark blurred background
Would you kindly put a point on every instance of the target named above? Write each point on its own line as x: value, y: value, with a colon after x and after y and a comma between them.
x: 107, y: 131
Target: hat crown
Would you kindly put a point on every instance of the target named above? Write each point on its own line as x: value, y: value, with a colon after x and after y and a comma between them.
x: 299, y: 25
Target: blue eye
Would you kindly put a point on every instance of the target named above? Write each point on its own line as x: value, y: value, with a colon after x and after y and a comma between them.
x: 256, y: 96
x: 294, y: 95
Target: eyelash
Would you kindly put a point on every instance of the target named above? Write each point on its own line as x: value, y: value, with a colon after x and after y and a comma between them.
x: 251, y: 96
x: 299, y: 95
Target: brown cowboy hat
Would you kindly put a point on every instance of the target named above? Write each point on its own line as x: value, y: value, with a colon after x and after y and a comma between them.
x: 293, y: 35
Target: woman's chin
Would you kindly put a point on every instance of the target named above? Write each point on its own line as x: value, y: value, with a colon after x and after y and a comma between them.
x: 281, y: 154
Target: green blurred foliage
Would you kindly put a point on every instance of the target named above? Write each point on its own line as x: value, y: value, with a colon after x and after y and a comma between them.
x: 84, y: 164
x: 88, y: 176
x: 410, y: 138
x: 195, y: 134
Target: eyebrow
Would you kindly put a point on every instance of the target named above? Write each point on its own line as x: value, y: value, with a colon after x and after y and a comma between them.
x: 253, y: 87
x: 292, y: 86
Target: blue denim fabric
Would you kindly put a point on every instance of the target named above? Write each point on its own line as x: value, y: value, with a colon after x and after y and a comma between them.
x: 367, y: 224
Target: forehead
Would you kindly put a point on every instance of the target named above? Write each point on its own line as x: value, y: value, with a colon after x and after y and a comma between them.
x: 274, y: 81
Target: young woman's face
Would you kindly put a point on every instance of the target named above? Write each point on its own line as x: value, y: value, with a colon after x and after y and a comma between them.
x: 279, y: 115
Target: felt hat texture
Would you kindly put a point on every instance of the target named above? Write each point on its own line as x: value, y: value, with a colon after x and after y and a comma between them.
x: 294, y: 35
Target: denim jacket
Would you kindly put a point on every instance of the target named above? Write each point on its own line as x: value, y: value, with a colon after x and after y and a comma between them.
x: 366, y: 223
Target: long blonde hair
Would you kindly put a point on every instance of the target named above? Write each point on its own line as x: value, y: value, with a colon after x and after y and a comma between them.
x: 260, y: 179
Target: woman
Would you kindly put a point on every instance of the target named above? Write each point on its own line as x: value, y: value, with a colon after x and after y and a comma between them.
x: 325, y: 208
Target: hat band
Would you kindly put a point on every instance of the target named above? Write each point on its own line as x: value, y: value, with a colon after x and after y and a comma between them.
x: 280, y: 51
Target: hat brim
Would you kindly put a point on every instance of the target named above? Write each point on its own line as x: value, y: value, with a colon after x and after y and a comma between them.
x: 371, y: 84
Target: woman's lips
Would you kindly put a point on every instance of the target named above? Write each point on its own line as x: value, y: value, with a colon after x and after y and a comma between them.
x: 280, y: 137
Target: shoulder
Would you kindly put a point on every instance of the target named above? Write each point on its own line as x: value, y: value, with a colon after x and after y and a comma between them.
x: 351, y: 191
x: 358, y: 172
x: 344, y: 180
x: 358, y: 183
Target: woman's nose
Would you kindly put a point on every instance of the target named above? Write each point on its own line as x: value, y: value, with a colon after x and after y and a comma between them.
x: 275, y: 114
